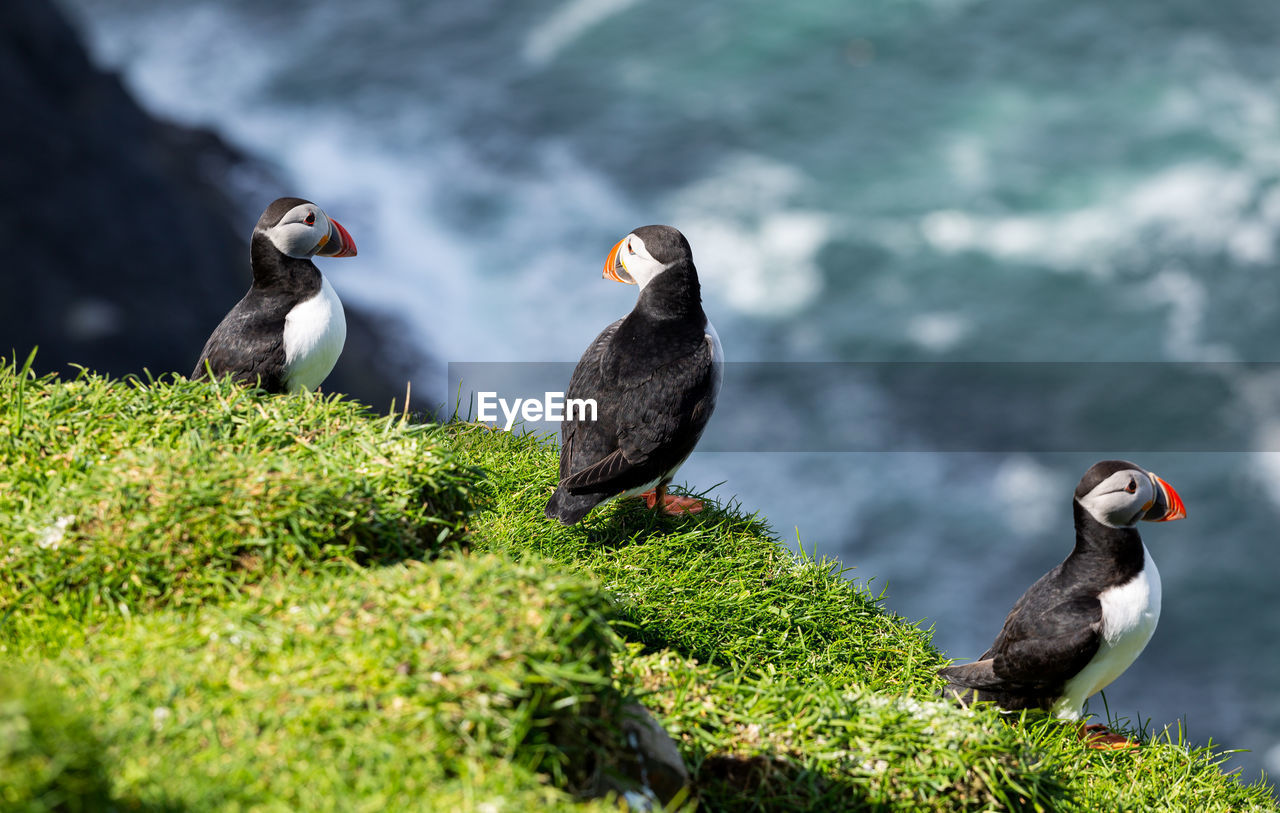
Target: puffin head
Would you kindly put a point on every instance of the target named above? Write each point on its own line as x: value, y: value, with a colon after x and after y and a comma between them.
x: 298, y: 228
x: 1118, y: 493
x: 645, y: 253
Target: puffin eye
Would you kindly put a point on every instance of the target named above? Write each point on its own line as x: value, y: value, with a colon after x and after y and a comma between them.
x: 311, y: 219
x: 629, y: 248
x: 1133, y: 486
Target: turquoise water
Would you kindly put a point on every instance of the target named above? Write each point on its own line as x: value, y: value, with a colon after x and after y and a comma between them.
x: 944, y: 180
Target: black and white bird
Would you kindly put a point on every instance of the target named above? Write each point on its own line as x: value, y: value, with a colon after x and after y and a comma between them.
x: 287, y: 332
x: 654, y: 375
x: 1083, y: 623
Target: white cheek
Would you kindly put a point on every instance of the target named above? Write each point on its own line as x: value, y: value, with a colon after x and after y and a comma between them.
x: 643, y: 270
x: 295, y: 239
x: 1101, y: 507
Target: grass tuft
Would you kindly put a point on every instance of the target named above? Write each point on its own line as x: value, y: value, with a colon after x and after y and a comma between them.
x: 775, y: 743
x: 122, y: 495
x: 360, y: 691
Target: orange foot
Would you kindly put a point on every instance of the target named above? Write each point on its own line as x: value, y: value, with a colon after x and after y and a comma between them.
x: 672, y: 504
x: 1104, y: 739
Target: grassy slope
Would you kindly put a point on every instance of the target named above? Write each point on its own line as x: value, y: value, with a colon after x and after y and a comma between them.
x: 215, y: 600
x: 807, y: 675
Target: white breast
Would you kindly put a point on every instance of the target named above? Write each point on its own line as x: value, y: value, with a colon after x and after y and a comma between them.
x: 314, y: 333
x: 1130, y: 613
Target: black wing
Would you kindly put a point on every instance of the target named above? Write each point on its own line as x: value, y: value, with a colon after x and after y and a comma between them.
x: 581, y: 440
x: 1047, y: 651
x: 651, y: 412
x: 1047, y: 638
x: 247, y: 344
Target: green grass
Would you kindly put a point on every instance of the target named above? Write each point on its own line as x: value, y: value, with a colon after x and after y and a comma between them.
x: 123, y: 496
x: 773, y: 742
x: 371, y: 691
x: 212, y: 599
x: 717, y: 586
x: 49, y: 756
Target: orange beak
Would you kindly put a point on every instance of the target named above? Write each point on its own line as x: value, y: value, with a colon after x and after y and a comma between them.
x: 1175, y: 510
x: 338, y: 242
x: 613, y: 265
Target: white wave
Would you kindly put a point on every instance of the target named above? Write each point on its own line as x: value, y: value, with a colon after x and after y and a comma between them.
x: 1188, y: 299
x: 566, y: 24
x: 1029, y: 495
x: 1201, y: 205
x: 178, y: 61
x: 753, y: 248
x: 938, y: 332
x: 1198, y: 206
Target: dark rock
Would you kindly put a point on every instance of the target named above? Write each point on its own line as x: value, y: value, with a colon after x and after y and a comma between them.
x: 647, y: 770
x: 123, y: 246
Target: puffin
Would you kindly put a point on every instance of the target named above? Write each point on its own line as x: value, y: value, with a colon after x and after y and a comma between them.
x: 654, y: 375
x: 287, y: 332
x: 1085, y: 621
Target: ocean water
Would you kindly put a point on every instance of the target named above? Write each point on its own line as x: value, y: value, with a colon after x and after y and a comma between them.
x: 886, y: 183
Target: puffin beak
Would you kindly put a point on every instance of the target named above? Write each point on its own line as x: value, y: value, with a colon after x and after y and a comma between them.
x: 337, y: 243
x: 613, y: 267
x: 1168, y: 505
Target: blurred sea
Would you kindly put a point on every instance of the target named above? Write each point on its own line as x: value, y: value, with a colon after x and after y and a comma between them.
x: 888, y: 182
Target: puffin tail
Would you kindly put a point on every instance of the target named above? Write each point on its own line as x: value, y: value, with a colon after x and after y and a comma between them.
x: 959, y: 693
x: 569, y: 508
x: 965, y: 682
x: 970, y: 683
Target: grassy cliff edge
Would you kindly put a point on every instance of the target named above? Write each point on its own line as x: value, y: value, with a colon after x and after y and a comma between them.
x: 216, y: 600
